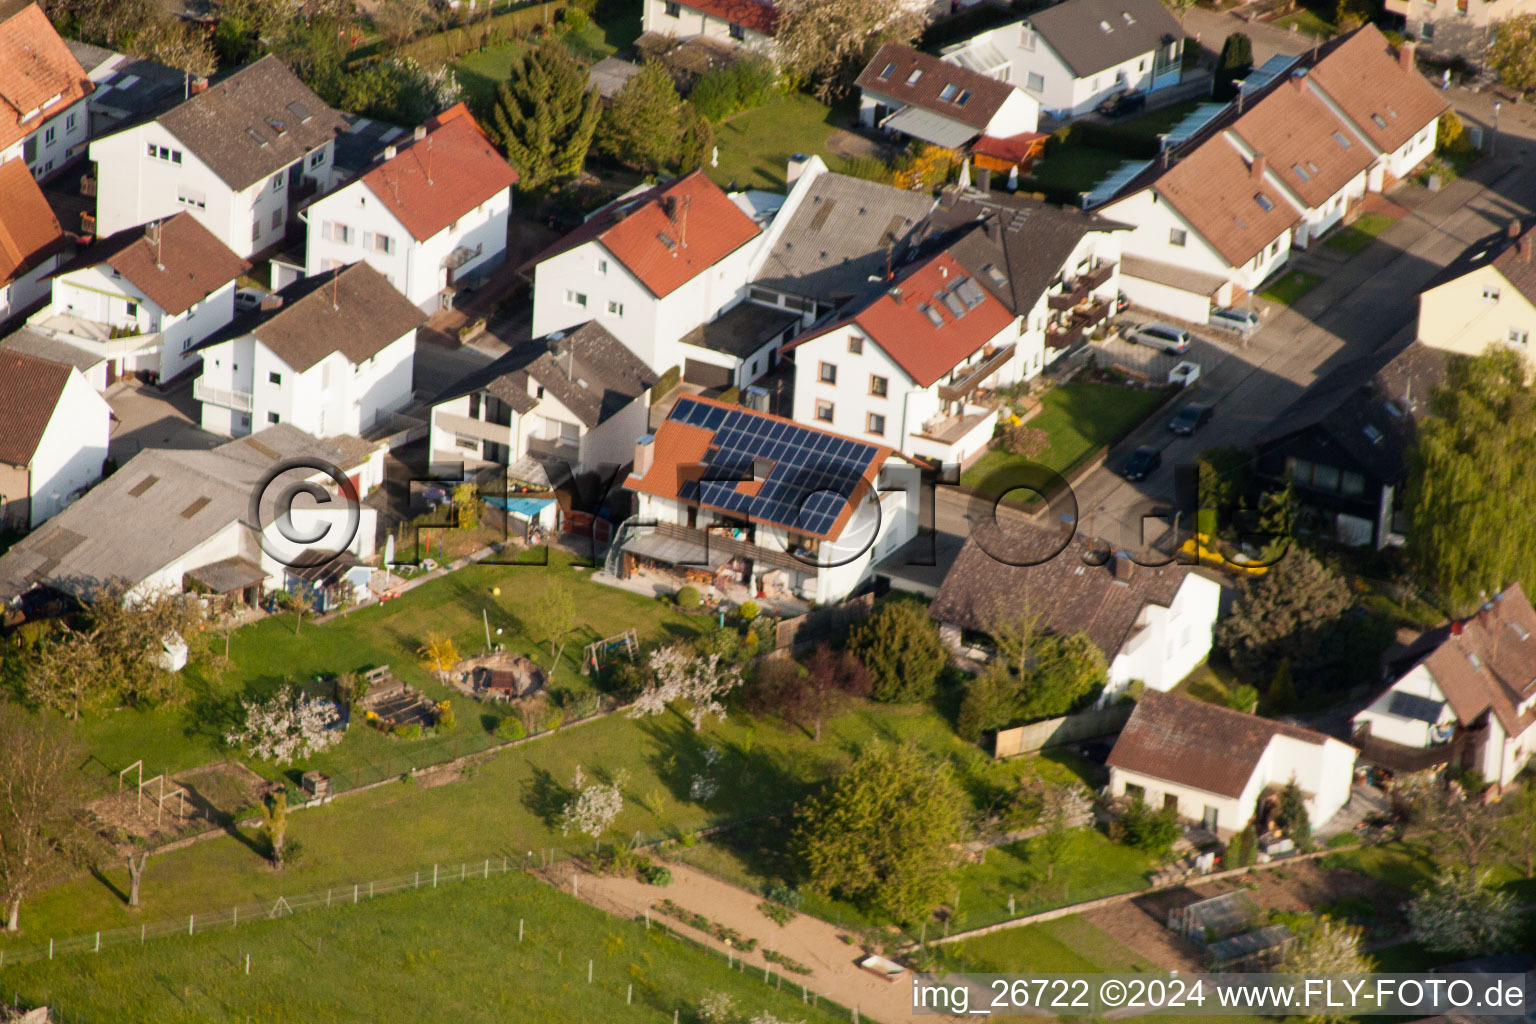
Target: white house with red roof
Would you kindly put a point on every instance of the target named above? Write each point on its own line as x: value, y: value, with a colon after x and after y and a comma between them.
x: 905, y: 90
x: 762, y: 507
x: 53, y: 438
x: 654, y: 267
x: 749, y: 23
x: 428, y: 215
x: 43, y: 89
x: 1465, y: 696
x: 901, y: 368
x: 30, y: 240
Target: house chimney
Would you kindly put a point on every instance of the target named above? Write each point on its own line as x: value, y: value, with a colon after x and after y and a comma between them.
x: 389, y: 152
x: 1257, y: 168
x: 645, y: 451
x: 1456, y: 628
x: 1513, y: 231
x: 984, y: 178
x: 199, y: 84
x: 272, y: 302
x: 420, y: 133
x: 1299, y: 78
x: 669, y: 206
x: 1405, y: 56
x: 896, y: 295
x: 1122, y: 566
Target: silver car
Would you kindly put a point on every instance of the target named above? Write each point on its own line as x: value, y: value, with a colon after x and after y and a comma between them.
x: 1162, y: 336
x: 1243, y: 321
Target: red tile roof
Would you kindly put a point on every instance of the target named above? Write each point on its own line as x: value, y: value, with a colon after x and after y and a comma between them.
x: 1214, y: 190
x: 1365, y: 78
x: 185, y: 264
x: 1294, y: 128
x: 29, y: 232
x: 667, y: 235
x: 35, y: 66
x: 29, y: 392
x: 902, y: 320
x: 753, y: 14
x: 1203, y: 746
x: 1488, y: 662
x: 431, y: 183
x: 987, y: 94
x: 1015, y: 149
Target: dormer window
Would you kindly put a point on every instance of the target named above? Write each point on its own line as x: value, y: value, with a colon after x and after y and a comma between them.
x: 1127, y: 16
x: 1264, y: 201
x: 888, y: 71
x: 1105, y: 26
x: 914, y: 76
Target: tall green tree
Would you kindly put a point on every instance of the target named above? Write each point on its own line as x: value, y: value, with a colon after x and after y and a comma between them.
x: 643, y: 127
x: 1328, y: 947
x: 823, y: 43
x: 546, y: 112
x: 1513, y: 53
x: 1473, y: 481
x: 900, y: 649
x: 1291, y: 612
x: 1235, y: 62
x: 883, y: 833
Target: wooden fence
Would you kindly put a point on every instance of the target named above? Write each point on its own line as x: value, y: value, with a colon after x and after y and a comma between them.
x: 807, y: 630
x: 1055, y: 732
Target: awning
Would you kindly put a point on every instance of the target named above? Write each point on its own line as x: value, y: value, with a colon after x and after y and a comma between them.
x: 227, y: 575
x: 323, y: 568
x: 676, y: 551
x: 931, y: 127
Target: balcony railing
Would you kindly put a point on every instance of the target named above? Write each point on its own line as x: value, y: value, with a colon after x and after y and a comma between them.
x: 240, y: 401
x: 1076, y: 291
x: 723, y: 543
x: 565, y: 451
x: 1063, y: 337
x: 969, y: 378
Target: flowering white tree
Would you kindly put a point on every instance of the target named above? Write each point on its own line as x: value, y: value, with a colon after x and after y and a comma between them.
x: 593, y: 809
x: 703, y: 789
x: 679, y: 674
x: 287, y: 727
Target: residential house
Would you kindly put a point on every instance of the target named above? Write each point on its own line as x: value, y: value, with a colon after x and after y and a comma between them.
x: 1238, y: 186
x: 53, y: 438
x: 1454, y: 28
x: 1001, y: 286
x: 762, y: 507
x: 652, y: 267
x: 241, y: 156
x: 1344, y: 445
x: 1152, y: 623
x: 141, y: 299
x: 127, y: 88
x: 174, y: 520
x: 748, y: 23
x: 30, y: 241
x: 330, y: 354
x: 907, y: 91
x: 577, y: 399
x: 429, y: 215
x: 1487, y: 297
x: 44, y: 122
x: 1070, y: 56
x: 1223, y: 768
x: 1465, y: 696
x: 92, y: 365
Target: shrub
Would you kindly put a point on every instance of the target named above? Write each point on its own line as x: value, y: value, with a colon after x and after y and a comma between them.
x: 869, y: 168
x: 688, y: 597
x: 510, y: 728
x: 407, y: 732
x: 1342, y: 840
x: 552, y: 719
x: 445, y: 719
x: 776, y: 912
x: 781, y: 892
x: 900, y: 648
x: 657, y: 874
x: 745, y: 85
x: 1451, y: 136
x: 1147, y: 830
x: 747, y: 611
x: 577, y: 706
x: 1243, y: 850
x: 574, y: 20
x: 688, y: 838
x: 1023, y: 439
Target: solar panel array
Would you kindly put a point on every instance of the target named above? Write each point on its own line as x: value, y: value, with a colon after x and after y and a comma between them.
x: 814, y: 475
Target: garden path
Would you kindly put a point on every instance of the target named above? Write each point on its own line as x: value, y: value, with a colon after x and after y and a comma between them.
x: 815, y: 943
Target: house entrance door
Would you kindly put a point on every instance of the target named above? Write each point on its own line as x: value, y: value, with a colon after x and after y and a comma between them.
x: 1209, y: 819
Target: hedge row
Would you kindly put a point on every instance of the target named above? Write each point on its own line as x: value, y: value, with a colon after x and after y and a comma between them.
x: 450, y: 45
x: 1127, y: 143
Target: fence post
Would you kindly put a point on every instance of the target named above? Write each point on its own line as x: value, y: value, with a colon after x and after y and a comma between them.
x: 487, y: 867
x: 98, y: 942
x: 247, y: 963
x: 236, y: 911
x: 354, y: 892
x: 589, y: 972
x: 141, y: 934
x: 519, y: 929
x: 418, y: 878
x: 191, y: 918
x: 434, y: 876
x: 629, y: 996
x: 461, y: 870
x: 50, y: 949
x: 370, y: 890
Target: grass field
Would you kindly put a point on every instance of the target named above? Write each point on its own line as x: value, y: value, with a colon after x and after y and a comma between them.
x: 1064, y: 945
x: 449, y: 954
x: 1080, y: 418
x: 1090, y: 867
x: 1076, y: 168
x: 1356, y: 236
x: 755, y: 146
x: 1292, y: 286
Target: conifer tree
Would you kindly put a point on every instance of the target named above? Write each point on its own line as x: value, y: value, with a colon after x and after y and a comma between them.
x: 546, y: 112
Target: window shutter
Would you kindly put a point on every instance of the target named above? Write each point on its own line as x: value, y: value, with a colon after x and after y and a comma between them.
x: 367, y: 239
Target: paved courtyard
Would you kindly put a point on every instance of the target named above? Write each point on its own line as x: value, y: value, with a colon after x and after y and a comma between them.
x: 144, y: 417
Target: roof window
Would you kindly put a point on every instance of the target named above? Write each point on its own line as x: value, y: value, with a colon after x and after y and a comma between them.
x: 1127, y: 16
x: 666, y: 240
x: 1371, y: 433
x: 933, y: 315
x: 1381, y: 122
x: 1341, y: 140
x: 963, y: 98
x: 1301, y: 172
x: 914, y: 76
x: 949, y: 92
x: 890, y: 69
x: 1264, y: 201
x: 254, y: 134
x: 1105, y: 26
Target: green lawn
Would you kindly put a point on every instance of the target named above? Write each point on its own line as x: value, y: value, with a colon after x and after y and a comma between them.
x: 755, y: 146
x: 1291, y: 287
x: 1064, y: 945
x: 1156, y: 122
x: 1090, y: 867
x: 1356, y: 236
x: 1076, y: 168
x: 1080, y: 418
x: 449, y: 954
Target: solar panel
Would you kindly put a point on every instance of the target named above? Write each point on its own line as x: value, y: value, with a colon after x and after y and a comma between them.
x: 811, y: 480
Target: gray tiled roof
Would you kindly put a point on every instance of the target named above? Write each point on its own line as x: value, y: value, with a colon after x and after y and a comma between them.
x: 839, y: 236
x: 29, y: 342
x: 741, y: 330
x: 1075, y: 30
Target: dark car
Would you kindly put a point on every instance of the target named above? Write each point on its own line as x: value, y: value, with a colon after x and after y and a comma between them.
x: 1122, y: 103
x: 1190, y: 419
x: 1142, y: 463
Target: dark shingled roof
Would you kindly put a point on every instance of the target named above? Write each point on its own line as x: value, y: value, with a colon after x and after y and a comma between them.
x: 357, y: 316
x: 589, y: 371
x: 184, y: 263
x: 1192, y: 743
x: 1068, y: 595
x: 1013, y: 245
x: 1075, y: 30
x: 253, y: 123
x: 30, y: 389
x: 741, y: 330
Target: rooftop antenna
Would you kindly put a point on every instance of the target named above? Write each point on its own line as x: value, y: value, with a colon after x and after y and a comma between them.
x: 429, y: 160
x: 159, y: 244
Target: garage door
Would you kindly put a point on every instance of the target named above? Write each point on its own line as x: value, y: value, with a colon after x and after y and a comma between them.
x: 706, y: 375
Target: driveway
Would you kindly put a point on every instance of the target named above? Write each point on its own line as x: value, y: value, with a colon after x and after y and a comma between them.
x: 144, y: 417
x: 1154, y: 364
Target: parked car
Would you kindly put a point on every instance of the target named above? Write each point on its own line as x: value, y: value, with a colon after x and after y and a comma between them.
x: 1163, y: 336
x: 1190, y: 419
x: 1184, y: 374
x: 1123, y: 102
x: 248, y: 299
x: 1243, y: 321
x: 1142, y: 463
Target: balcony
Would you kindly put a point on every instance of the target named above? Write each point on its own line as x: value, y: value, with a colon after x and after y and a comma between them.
x: 568, y: 452
x: 968, y: 378
x: 1063, y: 337
x: 240, y: 401
x: 712, y: 547
x: 92, y: 336
x: 1075, y: 291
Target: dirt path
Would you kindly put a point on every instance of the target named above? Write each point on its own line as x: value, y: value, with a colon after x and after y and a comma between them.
x: 813, y: 942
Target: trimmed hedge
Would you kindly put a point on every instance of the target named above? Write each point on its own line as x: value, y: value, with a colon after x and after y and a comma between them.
x: 1108, y: 137
x: 450, y: 45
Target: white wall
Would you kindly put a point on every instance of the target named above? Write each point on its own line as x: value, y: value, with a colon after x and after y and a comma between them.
x: 690, y: 22
x: 30, y: 287
x: 612, y: 442
x: 1325, y: 773
x: 1410, y: 732
x: 58, y: 140
x: 1169, y: 642
x: 1060, y: 91
x: 1019, y: 113
x: 73, y: 446
x: 1232, y: 813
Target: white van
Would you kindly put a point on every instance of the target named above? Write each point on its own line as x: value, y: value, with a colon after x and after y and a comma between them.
x: 1164, y: 336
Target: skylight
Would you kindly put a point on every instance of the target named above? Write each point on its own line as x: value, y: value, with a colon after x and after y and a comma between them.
x: 965, y: 95
x: 1312, y: 167
x: 932, y: 314
x: 949, y: 92
x: 666, y: 240
x: 253, y: 133
x: 996, y: 275
x: 1105, y: 26
x: 1372, y: 433
x: 890, y: 69
x: 1264, y: 201
x: 1127, y: 16
x: 1301, y: 172
x: 299, y: 111
x: 914, y: 76
x: 1393, y: 409
x: 1341, y: 140
x: 1381, y: 122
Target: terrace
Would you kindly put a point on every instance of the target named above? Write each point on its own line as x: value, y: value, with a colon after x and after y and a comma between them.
x: 1074, y: 291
